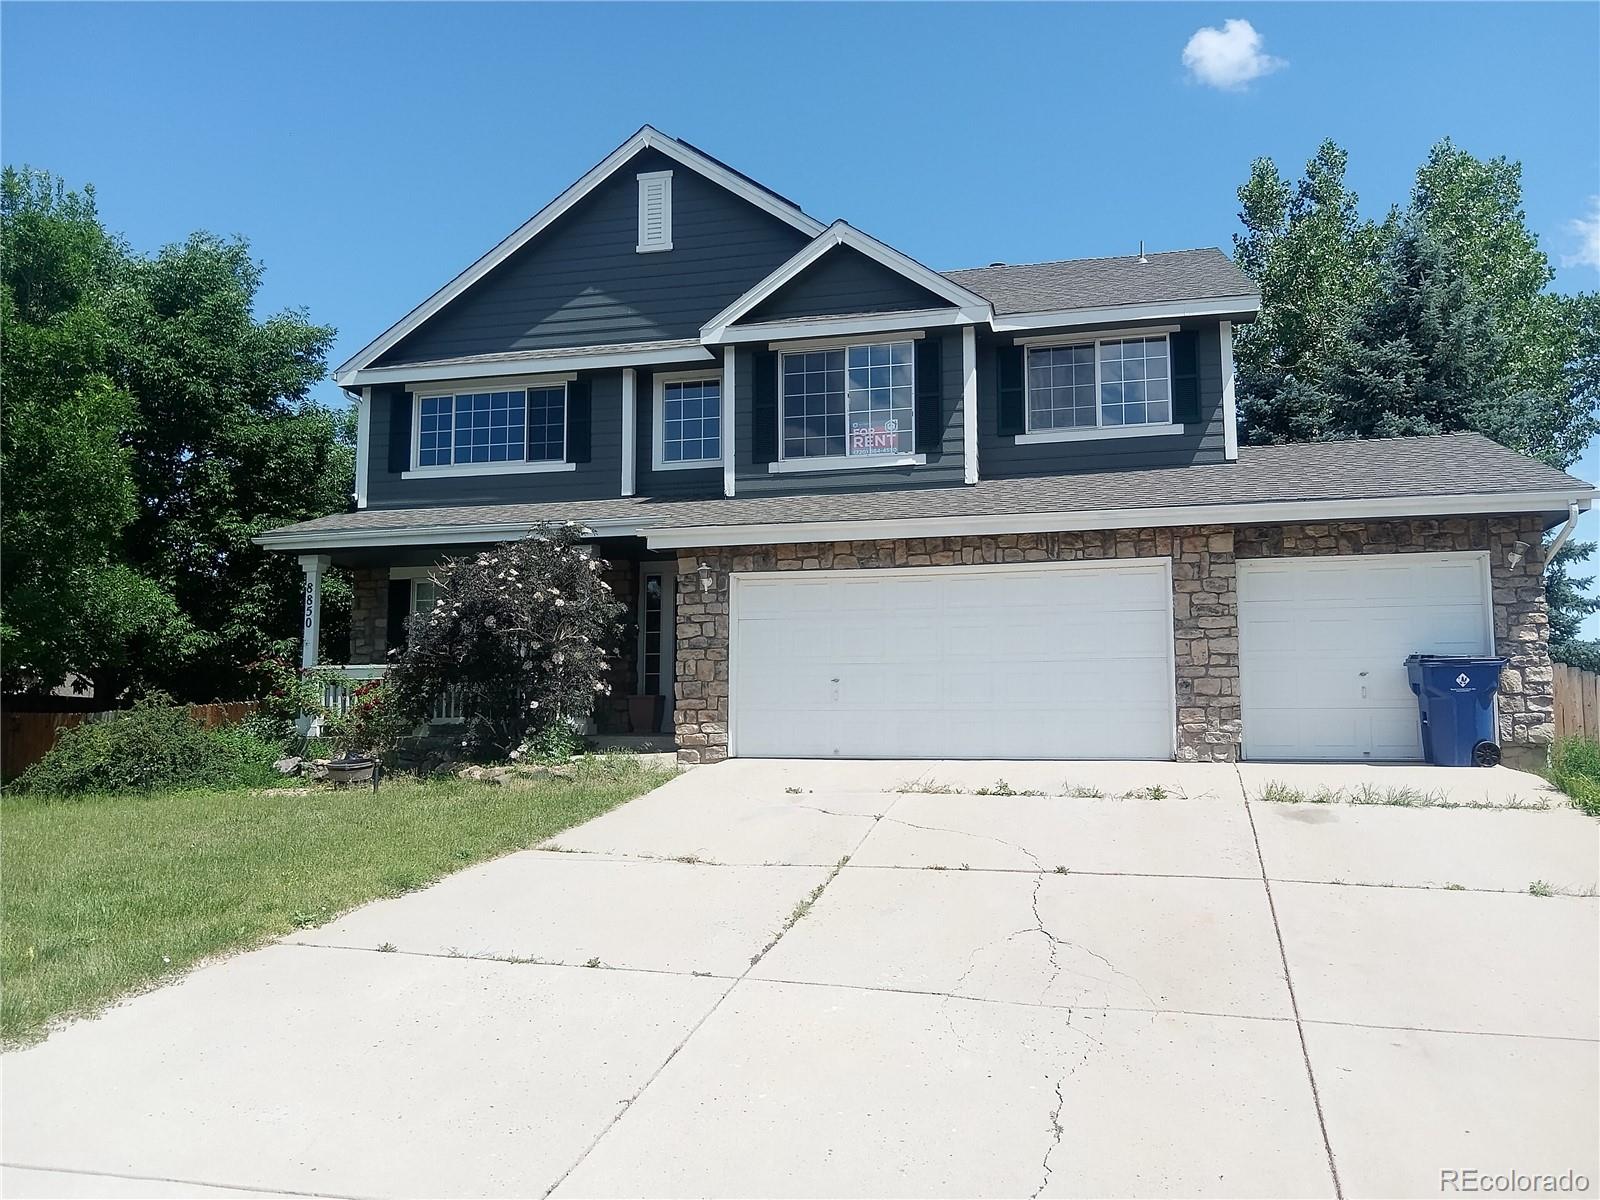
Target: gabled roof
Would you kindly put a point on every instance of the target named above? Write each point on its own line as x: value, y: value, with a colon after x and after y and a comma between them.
x: 1176, y: 275
x: 841, y: 233
x: 647, y: 138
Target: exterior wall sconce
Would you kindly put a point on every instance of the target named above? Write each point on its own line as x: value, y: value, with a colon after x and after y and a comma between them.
x: 1515, y: 555
x: 708, y: 578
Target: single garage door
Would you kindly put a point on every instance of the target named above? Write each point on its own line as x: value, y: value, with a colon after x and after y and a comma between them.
x: 1323, y: 643
x: 1064, y: 660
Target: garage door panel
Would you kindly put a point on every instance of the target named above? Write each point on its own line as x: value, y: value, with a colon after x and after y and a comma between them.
x: 1323, y: 644
x: 976, y: 662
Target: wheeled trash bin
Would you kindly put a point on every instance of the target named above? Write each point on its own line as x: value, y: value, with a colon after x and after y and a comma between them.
x: 1455, y: 700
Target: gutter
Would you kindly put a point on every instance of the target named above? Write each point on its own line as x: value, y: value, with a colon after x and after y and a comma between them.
x: 431, y: 535
x: 1566, y: 532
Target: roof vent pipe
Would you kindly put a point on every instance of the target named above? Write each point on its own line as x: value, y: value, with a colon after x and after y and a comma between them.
x: 1142, y: 258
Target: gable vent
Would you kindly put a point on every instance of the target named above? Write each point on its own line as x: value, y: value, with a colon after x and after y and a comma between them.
x: 655, y: 211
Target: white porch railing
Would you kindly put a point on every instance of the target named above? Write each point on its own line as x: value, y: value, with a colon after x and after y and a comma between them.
x: 336, y: 692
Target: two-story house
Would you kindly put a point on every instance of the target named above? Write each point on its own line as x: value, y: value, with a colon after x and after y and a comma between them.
x: 863, y: 508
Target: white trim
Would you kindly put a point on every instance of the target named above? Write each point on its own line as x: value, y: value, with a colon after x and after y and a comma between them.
x: 1098, y: 430
x: 907, y: 320
x: 841, y: 343
x: 844, y: 462
x: 489, y: 468
x: 658, y: 417
x: 730, y: 388
x: 646, y: 178
x: 1157, y: 310
x: 363, y: 445
x: 736, y: 579
x: 646, y: 138
x: 969, y: 404
x: 630, y: 430
x: 841, y: 233
x: 475, y: 387
x: 1266, y: 513
x: 315, y: 566
x: 573, y: 362
x: 1230, y: 402
x: 410, y: 572
x: 1097, y: 433
x: 437, y: 535
x: 1104, y: 335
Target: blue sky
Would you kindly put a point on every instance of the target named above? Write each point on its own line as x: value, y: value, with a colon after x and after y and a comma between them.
x: 370, y: 151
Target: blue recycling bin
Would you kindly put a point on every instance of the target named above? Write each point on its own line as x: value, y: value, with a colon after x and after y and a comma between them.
x: 1455, y: 699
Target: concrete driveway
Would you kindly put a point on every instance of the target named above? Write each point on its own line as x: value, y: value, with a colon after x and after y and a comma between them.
x: 1136, y: 983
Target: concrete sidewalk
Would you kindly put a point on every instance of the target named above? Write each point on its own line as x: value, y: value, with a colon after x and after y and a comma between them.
x: 1137, y: 983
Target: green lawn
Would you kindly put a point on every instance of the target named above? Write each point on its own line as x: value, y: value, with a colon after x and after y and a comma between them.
x: 108, y: 894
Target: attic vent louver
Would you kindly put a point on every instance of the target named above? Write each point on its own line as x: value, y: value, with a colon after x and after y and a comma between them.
x: 655, y: 211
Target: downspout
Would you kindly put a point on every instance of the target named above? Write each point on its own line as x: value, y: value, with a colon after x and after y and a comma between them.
x: 1561, y: 538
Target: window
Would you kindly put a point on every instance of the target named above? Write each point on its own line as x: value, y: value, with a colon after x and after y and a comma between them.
x: 1105, y: 384
x: 655, y: 211
x: 688, y: 421
x: 514, y: 425
x: 424, y: 592
x: 853, y: 402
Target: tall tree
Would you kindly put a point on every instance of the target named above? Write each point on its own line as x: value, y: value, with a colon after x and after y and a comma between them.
x: 153, y: 425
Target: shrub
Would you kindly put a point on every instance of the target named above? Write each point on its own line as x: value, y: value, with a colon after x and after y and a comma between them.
x: 286, y: 693
x: 1575, y: 769
x: 374, y: 721
x: 1585, y: 655
x: 521, y: 632
x: 153, y: 745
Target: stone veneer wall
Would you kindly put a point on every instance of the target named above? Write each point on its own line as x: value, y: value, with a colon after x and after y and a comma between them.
x: 1204, y: 605
x: 369, y: 614
x: 1205, y: 611
x: 1521, y: 614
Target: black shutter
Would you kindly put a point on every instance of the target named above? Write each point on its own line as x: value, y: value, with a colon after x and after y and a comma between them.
x: 764, y: 407
x: 1008, y: 387
x: 1185, y: 379
x: 399, y: 612
x: 578, y: 421
x: 399, y: 432
x: 930, y: 395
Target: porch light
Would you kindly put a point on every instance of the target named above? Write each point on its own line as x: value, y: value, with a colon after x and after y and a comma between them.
x: 1515, y: 555
x: 708, y: 578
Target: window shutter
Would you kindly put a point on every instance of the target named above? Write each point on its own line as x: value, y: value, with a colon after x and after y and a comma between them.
x: 399, y: 613
x: 1008, y: 361
x: 764, y: 407
x: 578, y: 421
x: 930, y: 395
x: 1185, y: 378
x: 655, y: 211
x: 399, y: 432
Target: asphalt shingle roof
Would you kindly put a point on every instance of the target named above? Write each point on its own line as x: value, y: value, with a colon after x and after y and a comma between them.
x: 1452, y: 464
x: 1101, y: 282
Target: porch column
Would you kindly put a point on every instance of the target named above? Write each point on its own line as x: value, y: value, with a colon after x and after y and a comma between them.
x: 315, y: 566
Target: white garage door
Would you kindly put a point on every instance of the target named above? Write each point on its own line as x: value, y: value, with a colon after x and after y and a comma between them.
x: 1048, y: 661
x: 1323, y: 643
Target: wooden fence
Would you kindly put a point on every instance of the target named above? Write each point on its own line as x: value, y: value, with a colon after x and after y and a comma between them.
x: 26, y: 737
x: 1577, y: 702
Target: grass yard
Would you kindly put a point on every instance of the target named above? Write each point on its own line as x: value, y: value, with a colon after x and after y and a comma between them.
x: 108, y: 894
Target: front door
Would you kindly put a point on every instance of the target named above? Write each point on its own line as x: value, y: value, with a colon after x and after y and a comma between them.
x: 657, y: 627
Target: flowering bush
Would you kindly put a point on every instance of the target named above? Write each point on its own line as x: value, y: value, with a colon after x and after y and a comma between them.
x: 374, y: 721
x: 520, y: 632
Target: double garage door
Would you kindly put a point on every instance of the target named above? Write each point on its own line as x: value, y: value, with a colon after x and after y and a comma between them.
x: 1074, y: 660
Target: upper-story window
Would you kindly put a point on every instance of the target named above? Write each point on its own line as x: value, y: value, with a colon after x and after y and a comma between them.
x: 1110, y: 383
x: 499, y: 429
x: 849, y: 402
x: 688, y: 420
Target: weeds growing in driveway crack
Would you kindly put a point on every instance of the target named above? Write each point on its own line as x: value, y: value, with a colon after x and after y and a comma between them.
x: 1276, y: 791
x: 800, y: 910
x: 387, y: 948
x: 1540, y: 888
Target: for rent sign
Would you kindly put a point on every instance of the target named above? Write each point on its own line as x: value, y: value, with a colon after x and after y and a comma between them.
x: 875, y: 439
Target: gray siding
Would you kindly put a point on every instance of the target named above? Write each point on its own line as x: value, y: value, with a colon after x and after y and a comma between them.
x: 675, y: 485
x: 844, y: 281
x: 1000, y: 457
x: 596, y: 479
x: 943, y: 468
x: 582, y: 283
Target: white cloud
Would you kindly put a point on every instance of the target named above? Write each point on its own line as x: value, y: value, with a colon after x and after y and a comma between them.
x: 1228, y: 58
x: 1587, y: 231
